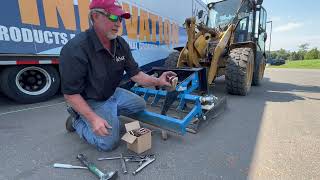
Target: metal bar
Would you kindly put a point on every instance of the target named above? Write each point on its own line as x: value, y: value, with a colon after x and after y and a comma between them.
x: 163, y: 93
x: 159, y: 120
x: 156, y: 99
x: 167, y: 122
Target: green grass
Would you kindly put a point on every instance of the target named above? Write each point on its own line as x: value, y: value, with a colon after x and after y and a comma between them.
x: 303, y: 64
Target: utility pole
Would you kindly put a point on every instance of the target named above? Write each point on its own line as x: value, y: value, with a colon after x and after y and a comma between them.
x: 270, y: 38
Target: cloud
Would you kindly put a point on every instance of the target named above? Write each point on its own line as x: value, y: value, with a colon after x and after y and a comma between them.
x: 275, y: 19
x: 288, y: 27
x: 292, y: 42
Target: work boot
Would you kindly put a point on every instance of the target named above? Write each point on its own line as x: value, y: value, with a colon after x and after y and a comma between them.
x: 70, y: 120
x: 69, y: 124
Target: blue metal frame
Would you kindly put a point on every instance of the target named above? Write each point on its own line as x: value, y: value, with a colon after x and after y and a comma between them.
x: 187, y: 86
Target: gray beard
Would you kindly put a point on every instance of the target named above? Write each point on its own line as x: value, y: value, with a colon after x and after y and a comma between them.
x: 111, y: 36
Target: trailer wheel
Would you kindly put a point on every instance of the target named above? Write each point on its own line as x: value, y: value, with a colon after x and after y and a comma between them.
x: 239, y: 71
x: 29, y: 84
x: 172, y: 60
x: 259, y: 68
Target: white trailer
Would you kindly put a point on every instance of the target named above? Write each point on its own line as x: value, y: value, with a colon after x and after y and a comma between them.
x: 32, y: 33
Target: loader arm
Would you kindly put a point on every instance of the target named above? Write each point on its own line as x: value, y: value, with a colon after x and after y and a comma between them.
x: 192, y: 56
x: 225, y: 39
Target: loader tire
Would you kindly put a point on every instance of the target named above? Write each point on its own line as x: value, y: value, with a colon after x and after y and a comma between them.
x: 239, y: 71
x: 172, y: 60
x: 259, y: 68
x: 29, y: 84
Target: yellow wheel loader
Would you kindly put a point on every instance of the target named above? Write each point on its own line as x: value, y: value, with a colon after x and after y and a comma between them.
x: 229, y: 40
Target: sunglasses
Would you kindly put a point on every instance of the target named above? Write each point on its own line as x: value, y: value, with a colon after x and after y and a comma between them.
x: 111, y: 17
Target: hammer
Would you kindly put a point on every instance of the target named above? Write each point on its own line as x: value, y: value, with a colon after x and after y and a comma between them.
x: 92, y: 168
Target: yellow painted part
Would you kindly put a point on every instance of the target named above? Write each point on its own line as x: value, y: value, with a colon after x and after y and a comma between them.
x: 191, y: 38
x: 183, y: 55
x: 201, y: 44
x: 29, y: 12
x: 217, y: 53
x: 65, y: 8
x: 180, y: 59
x: 195, y: 55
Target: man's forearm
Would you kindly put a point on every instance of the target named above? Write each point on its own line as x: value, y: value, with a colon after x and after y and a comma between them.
x: 81, y: 106
x: 144, y: 79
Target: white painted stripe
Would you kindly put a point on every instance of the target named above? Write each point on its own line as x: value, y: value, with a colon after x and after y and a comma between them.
x: 8, y: 62
x: 45, y: 62
x: 15, y: 62
x: 27, y: 109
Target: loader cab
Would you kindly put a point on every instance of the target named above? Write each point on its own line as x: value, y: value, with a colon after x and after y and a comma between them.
x: 248, y: 16
x: 251, y: 24
x: 221, y: 13
x: 261, y: 28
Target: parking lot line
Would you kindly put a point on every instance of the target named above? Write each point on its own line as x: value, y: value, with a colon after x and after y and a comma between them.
x: 32, y: 108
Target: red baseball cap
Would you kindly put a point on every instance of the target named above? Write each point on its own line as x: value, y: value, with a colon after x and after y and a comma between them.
x: 110, y: 6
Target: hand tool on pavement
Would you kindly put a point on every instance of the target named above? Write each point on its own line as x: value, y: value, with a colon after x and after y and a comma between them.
x: 68, y: 166
x: 122, y: 159
x: 123, y: 164
x: 116, y: 157
x: 136, y: 158
x: 92, y: 168
x: 143, y: 160
x: 142, y: 164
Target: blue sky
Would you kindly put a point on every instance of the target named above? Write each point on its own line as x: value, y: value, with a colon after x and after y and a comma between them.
x: 294, y: 22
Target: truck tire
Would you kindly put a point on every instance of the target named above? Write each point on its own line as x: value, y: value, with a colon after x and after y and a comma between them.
x: 29, y: 84
x: 259, y: 68
x: 239, y: 71
x: 172, y: 60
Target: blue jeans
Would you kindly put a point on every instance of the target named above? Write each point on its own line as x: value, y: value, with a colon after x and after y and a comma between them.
x: 122, y: 102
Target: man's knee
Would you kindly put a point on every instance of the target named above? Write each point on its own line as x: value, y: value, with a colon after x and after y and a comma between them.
x: 106, y: 144
x: 107, y: 147
x: 142, y: 104
x: 103, y: 143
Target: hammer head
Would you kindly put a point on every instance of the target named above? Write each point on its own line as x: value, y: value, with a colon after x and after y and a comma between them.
x: 110, y: 176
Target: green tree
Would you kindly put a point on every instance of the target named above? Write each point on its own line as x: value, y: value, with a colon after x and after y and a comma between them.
x: 282, y: 54
x: 303, y: 48
x: 312, y: 54
x: 273, y: 54
x: 294, y: 56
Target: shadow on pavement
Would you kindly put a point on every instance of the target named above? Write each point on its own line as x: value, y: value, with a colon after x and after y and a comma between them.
x: 223, y: 149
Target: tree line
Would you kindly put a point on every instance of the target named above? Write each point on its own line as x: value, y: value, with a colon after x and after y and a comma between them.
x: 303, y: 53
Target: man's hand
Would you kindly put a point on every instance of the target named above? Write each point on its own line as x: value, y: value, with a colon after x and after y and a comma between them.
x: 144, y: 79
x: 164, y: 78
x: 100, y: 126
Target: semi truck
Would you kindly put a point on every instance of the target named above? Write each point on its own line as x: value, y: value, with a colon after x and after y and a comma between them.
x: 32, y: 33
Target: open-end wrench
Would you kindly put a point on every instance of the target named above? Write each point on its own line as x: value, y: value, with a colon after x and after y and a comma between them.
x: 92, y: 168
x: 147, y: 161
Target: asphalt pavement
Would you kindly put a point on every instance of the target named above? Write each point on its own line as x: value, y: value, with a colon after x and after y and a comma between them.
x: 273, y: 133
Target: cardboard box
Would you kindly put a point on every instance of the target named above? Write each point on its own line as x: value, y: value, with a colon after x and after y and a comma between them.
x: 137, y: 144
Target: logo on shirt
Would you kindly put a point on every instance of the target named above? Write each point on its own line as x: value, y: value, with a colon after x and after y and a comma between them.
x: 119, y: 59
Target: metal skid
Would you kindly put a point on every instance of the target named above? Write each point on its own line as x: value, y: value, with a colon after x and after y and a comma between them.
x: 190, y: 80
